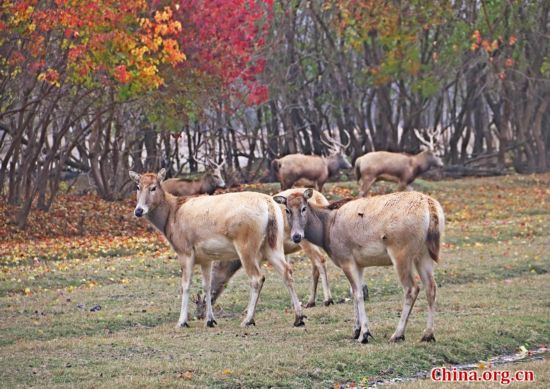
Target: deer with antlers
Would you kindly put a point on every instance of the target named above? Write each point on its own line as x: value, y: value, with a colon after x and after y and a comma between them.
x: 244, y: 225
x: 397, y: 167
x: 402, y: 229
x: 211, y: 180
x: 294, y: 167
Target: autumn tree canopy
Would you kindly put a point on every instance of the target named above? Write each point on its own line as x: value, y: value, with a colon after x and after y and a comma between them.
x: 97, y: 87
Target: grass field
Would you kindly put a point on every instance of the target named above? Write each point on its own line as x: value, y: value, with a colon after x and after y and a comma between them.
x: 493, y: 297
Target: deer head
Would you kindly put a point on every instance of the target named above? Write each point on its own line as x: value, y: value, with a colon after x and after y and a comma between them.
x: 337, y: 151
x: 215, y: 172
x: 149, y: 191
x: 296, y: 208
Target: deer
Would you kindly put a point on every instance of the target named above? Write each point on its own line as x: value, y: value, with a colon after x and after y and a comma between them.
x: 314, y: 168
x: 402, y: 229
x: 223, y: 271
x: 396, y: 167
x: 244, y: 225
x: 210, y: 181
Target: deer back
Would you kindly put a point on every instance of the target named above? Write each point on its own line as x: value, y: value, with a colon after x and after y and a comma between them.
x: 368, y: 226
x: 181, y: 187
x: 378, y: 163
x: 211, y: 224
x: 296, y: 166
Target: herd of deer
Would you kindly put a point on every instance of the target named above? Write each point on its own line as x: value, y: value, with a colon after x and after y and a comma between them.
x: 402, y: 229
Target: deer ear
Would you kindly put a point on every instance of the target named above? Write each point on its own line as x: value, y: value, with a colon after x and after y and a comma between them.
x: 280, y: 199
x: 134, y: 176
x: 161, y: 175
x: 308, y: 193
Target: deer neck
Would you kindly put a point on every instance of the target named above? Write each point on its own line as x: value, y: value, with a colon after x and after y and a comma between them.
x: 207, y: 186
x: 317, y: 225
x: 421, y: 163
x: 161, y: 215
x: 332, y: 165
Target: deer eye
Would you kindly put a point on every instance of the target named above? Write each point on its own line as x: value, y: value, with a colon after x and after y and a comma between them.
x: 137, y: 187
x: 303, y: 209
x: 287, y: 211
x: 153, y: 188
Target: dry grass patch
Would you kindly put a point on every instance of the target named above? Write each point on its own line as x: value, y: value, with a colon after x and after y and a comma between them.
x: 493, y: 298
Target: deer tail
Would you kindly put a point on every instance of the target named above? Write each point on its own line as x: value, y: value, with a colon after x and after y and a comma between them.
x: 433, y: 237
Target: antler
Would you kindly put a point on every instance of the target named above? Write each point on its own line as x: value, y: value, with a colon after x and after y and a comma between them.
x: 433, y: 137
x: 349, y: 139
x: 334, y: 144
x: 214, y: 164
x: 330, y: 144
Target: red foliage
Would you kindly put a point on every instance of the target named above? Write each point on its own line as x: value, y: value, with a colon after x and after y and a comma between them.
x: 222, y: 39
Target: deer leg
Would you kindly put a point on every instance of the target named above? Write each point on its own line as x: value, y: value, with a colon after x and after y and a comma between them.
x: 356, y: 320
x: 187, y: 262
x: 222, y: 271
x: 318, y: 268
x: 286, y: 183
x: 252, y: 268
x: 425, y: 270
x: 355, y: 275
x: 365, y: 183
x: 403, y: 265
x: 403, y: 185
x: 277, y: 260
x: 319, y: 186
x: 313, y: 286
x: 206, y: 269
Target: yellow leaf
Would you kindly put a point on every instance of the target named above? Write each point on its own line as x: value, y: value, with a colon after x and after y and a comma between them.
x: 27, y: 292
x: 187, y: 375
x: 227, y: 372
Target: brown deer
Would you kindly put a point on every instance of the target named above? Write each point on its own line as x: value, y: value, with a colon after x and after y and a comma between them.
x: 396, y: 167
x: 245, y: 225
x: 294, y: 167
x: 402, y: 229
x: 210, y: 181
x: 223, y: 271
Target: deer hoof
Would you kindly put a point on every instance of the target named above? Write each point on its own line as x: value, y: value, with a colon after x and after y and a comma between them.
x: 365, y: 338
x: 329, y: 302
x: 310, y: 304
x: 211, y: 323
x: 397, y: 339
x: 428, y: 338
x: 248, y: 323
x: 356, y: 333
x: 299, y: 321
x: 182, y: 325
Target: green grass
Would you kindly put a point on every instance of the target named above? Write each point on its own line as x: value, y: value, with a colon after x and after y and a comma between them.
x: 493, y: 298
